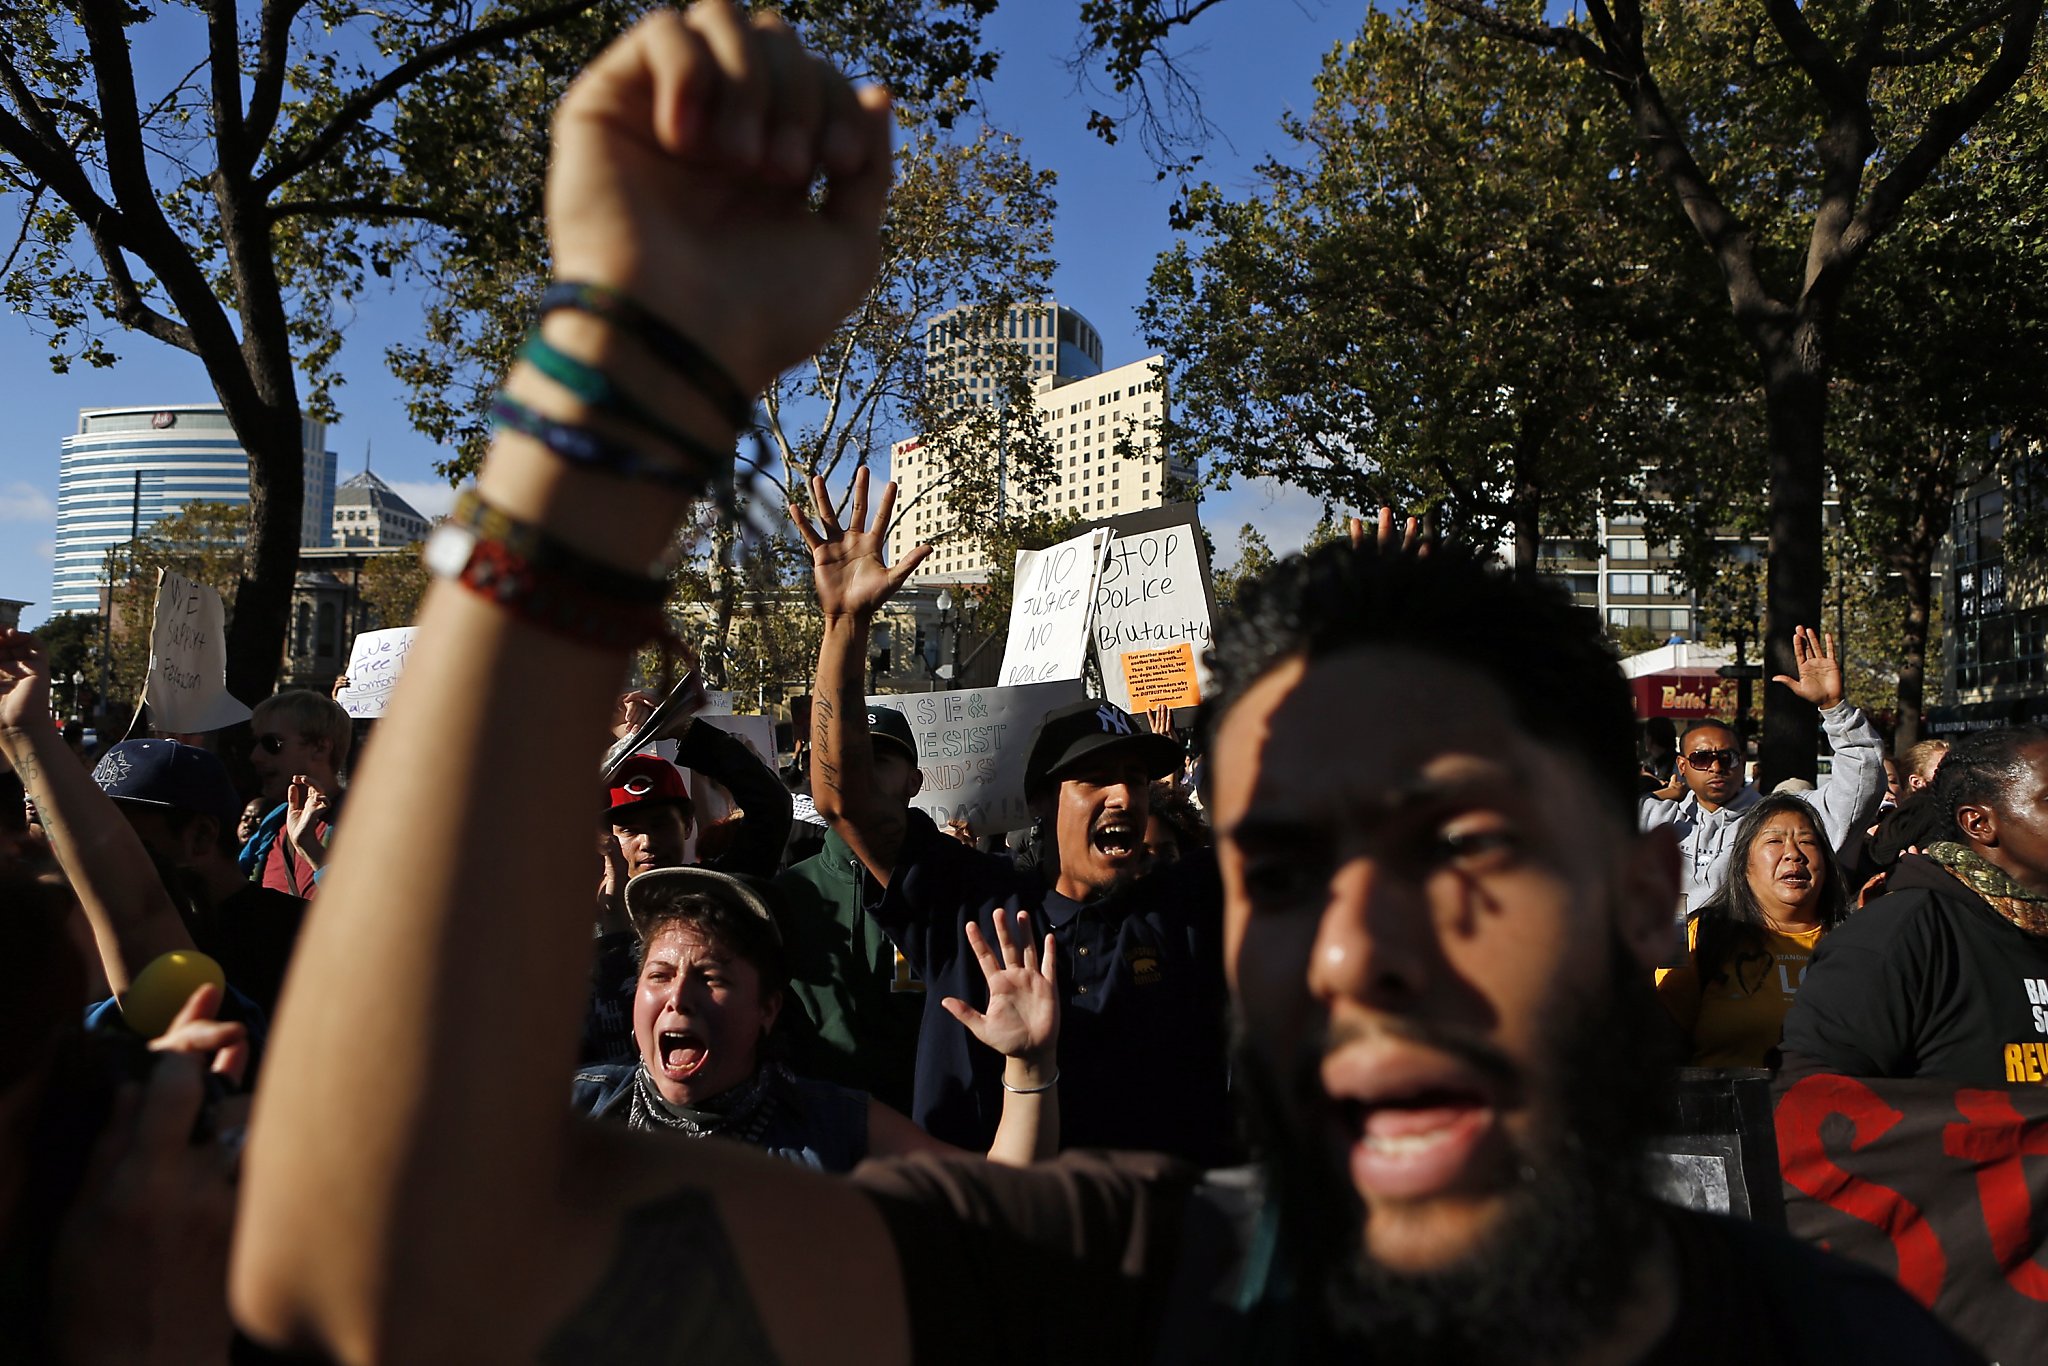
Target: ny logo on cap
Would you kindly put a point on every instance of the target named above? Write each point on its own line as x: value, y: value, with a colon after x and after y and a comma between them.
x: 1112, y: 720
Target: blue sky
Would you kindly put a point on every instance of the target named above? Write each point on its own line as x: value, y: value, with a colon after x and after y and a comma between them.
x: 1252, y: 60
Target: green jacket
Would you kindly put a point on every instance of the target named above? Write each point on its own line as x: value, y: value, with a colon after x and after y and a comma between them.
x: 860, y: 1002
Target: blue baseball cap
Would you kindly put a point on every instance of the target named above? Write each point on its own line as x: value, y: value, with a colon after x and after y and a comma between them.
x: 166, y: 773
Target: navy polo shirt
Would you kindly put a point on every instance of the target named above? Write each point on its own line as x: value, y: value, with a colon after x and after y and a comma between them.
x: 1143, y: 1036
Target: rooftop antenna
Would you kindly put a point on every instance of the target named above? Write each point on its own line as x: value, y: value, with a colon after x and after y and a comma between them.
x: 366, y: 455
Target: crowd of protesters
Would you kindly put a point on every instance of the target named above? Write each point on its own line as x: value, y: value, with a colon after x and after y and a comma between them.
x: 1349, y: 1051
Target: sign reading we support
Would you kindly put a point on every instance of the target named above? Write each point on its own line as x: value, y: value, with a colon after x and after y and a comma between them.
x: 1942, y: 1187
x: 1153, y: 602
x: 374, y: 663
x: 972, y: 746
x: 187, y: 687
x: 1050, y: 609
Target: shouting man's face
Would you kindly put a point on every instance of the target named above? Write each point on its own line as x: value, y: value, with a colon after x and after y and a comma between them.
x: 1438, y: 932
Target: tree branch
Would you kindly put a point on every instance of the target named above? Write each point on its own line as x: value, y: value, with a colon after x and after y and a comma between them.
x: 1945, y: 128
x: 364, y: 102
x: 224, y: 62
x: 266, y: 92
x: 1928, y: 53
x: 131, y: 309
x: 1837, y: 88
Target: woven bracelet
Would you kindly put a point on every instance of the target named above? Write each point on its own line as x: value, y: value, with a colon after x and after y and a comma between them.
x: 668, y: 345
x: 603, y: 393
x: 542, y: 598
x: 550, y: 556
x: 589, y: 449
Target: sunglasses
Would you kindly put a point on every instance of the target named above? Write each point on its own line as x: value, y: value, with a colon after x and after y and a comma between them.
x: 272, y: 743
x: 1713, y: 758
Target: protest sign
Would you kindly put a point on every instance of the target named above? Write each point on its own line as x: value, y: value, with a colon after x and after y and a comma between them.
x: 187, y: 688
x: 972, y: 746
x: 1931, y: 1183
x: 1161, y: 678
x: 1049, y: 612
x: 374, y: 663
x: 1152, y: 598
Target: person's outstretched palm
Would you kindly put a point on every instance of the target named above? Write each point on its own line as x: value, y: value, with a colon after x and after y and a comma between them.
x: 1022, y: 1019
x: 24, y: 681
x: 846, y: 563
x: 1820, y: 673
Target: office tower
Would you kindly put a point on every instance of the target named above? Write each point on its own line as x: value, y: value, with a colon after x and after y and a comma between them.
x: 1059, y: 344
x: 184, y: 453
x: 369, y: 512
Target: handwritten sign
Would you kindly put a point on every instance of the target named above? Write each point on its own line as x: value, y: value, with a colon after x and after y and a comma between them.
x: 1161, y: 678
x: 373, y: 667
x: 187, y: 688
x: 1049, y: 613
x: 972, y: 746
x: 1153, y: 597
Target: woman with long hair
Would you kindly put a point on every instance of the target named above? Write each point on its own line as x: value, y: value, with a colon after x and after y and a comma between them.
x: 1750, y: 942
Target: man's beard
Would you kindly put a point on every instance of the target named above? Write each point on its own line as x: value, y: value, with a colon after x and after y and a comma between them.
x: 1559, y: 1264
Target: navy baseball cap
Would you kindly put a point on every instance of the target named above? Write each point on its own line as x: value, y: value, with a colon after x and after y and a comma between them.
x: 168, y: 774
x: 1084, y: 729
x: 890, y: 725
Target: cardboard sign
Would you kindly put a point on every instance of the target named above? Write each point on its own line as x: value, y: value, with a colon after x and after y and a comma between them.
x: 374, y: 662
x: 1153, y: 597
x: 1942, y: 1187
x: 1161, y: 678
x: 187, y: 687
x: 1049, y: 613
x: 972, y: 746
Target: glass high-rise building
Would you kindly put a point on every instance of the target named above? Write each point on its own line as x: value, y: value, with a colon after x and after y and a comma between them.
x: 185, y: 453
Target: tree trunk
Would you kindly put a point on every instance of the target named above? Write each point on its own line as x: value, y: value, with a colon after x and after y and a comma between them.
x: 1914, y: 559
x: 1525, y: 511
x: 270, y: 561
x: 1795, y: 405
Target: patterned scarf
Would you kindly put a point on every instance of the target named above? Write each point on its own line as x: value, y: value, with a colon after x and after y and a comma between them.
x: 2024, y: 908
x: 744, y: 1112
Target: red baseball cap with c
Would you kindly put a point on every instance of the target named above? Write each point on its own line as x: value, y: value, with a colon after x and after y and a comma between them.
x: 647, y: 780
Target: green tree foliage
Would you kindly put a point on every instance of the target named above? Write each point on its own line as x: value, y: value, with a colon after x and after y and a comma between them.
x: 238, y: 214
x: 392, y: 586
x: 72, y: 642
x: 1418, y: 314
x: 1254, y: 557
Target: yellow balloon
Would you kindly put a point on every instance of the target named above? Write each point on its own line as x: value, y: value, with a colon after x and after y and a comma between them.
x: 160, y: 990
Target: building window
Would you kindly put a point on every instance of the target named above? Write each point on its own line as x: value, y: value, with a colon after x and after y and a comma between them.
x: 1627, y: 548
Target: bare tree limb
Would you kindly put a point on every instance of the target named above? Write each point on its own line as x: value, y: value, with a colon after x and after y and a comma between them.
x: 364, y: 102
x: 224, y: 60
x: 358, y: 208
x: 1928, y: 53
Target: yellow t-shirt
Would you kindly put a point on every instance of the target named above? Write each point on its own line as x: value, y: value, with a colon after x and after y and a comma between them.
x: 1739, y: 1019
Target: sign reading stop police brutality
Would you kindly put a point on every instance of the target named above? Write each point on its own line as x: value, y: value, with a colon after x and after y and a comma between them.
x: 1942, y: 1187
x: 1152, y: 610
x: 1050, y: 609
x: 187, y: 688
x: 972, y: 746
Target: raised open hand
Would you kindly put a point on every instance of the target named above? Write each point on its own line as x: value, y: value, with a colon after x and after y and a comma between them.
x: 681, y: 171
x: 1022, y: 1020
x: 1820, y: 673
x: 1410, y: 540
x: 24, y: 681
x: 846, y: 564
x: 305, y: 807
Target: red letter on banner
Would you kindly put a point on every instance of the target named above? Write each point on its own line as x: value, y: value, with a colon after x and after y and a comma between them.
x: 1806, y: 1164
x: 1995, y: 1139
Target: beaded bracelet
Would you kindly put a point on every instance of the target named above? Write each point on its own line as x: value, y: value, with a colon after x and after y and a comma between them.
x: 547, y: 599
x: 589, y: 449
x: 555, y: 558
x: 605, y: 394
x: 684, y: 356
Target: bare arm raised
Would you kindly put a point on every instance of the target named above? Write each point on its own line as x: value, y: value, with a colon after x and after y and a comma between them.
x: 853, y: 583
x: 463, y: 1214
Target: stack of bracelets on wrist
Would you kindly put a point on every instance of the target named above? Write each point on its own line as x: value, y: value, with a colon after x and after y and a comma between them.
x: 544, y: 582
x: 704, y: 470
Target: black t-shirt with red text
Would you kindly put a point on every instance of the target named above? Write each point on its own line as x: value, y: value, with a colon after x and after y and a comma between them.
x: 1926, y: 981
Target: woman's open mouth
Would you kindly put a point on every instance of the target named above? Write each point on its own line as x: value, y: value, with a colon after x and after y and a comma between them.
x: 681, y: 1053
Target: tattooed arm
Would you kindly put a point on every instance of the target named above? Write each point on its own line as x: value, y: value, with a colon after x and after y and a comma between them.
x: 846, y: 564
x: 412, y: 1111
